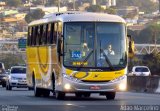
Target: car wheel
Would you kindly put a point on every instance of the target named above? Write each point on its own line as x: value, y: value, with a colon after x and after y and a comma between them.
x: 87, y: 94
x: 3, y: 85
x: 9, y: 87
x: 78, y: 94
x: 29, y: 88
x: 110, y: 95
x: 60, y: 95
x: 6, y: 86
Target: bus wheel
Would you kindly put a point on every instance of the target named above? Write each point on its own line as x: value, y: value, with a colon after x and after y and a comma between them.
x: 78, y: 94
x: 46, y: 92
x: 87, y: 94
x: 53, y: 84
x: 60, y: 95
x: 110, y: 95
x: 37, y: 91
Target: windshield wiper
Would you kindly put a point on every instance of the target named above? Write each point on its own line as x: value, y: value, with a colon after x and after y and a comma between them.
x: 107, y: 60
x: 82, y: 63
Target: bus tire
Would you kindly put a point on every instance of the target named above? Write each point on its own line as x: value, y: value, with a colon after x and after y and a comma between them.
x: 46, y: 92
x: 60, y: 95
x: 110, y: 95
x: 53, y: 84
x: 37, y: 91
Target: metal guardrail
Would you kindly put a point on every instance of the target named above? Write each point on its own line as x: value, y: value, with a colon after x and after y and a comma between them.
x: 10, y: 46
x: 150, y: 84
x: 141, y: 49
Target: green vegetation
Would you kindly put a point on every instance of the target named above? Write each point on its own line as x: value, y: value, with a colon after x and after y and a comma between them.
x: 98, y: 8
x: 14, y: 3
x: 151, y: 60
x: 36, y: 14
x: 52, y: 2
x: 150, y: 34
x: 144, y: 5
x: 95, y: 8
x: 11, y: 59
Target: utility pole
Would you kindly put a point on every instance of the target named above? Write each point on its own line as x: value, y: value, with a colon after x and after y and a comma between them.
x: 74, y: 5
x: 58, y: 5
x: 159, y: 6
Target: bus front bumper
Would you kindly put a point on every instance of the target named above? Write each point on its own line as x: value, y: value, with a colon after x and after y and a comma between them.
x: 71, y: 86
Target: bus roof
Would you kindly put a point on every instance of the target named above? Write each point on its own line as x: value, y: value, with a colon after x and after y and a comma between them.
x: 78, y: 17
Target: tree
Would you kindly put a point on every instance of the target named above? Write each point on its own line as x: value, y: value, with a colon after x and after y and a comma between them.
x: 153, y: 62
x: 14, y: 3
x: 52, y: 2
x: 38, y: 2
x: 36, y: 14
x: 110, y: 10
x: 150, y: 34
x: 144, y: 5
x: 11, y: 60
x: 95, y: 8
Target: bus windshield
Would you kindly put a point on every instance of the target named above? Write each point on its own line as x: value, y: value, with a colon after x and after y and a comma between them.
x: 95, y: 45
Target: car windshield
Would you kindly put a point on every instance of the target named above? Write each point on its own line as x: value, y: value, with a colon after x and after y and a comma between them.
x: 85, y: 45
x: 141, y: 69
x: 18, y: 70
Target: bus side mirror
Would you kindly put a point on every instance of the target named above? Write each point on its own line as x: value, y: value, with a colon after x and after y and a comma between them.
x: 130, y: 46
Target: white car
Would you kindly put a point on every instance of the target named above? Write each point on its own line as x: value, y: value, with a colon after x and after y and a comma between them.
x: 16, y: 77
x: 140, y: 71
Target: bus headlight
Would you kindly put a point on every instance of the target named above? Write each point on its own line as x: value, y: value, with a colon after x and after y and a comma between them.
x: 119, y: 78
x: 122, y: 86
x: 71, y: 78
x: 67, y: 86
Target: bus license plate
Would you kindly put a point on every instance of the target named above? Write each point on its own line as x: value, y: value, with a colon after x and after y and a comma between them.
x: 95, y: 87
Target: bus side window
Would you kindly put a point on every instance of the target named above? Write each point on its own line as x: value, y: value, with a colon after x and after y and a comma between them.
x: 43, y: 39
x: 29, y: 36
x: 32, y: 35
x: 48, y: 33
x: 53, y: 34
x: 35, y: 35
x: 40, y: 37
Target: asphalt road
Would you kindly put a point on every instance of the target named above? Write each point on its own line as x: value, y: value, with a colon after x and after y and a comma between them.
x: 24, y: 100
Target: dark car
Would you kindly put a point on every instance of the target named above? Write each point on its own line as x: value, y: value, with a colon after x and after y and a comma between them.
x: 3, y: 75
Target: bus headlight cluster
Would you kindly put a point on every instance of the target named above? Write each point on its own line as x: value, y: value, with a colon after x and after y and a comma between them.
x: 119, y: 78
x: 122, y: 86
x: 71, y: 78
x: 67, y: 86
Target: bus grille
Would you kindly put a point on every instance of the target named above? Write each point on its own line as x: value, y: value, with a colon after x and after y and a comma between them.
x: 92, y: 81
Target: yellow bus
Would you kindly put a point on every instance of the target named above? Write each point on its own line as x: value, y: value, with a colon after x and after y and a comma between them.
x: 68, y: 53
